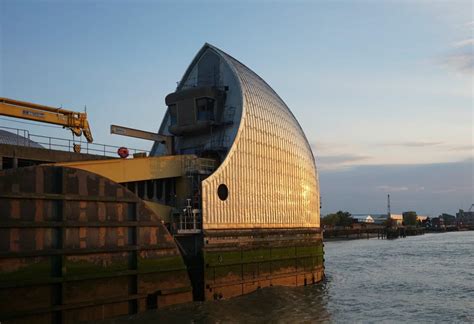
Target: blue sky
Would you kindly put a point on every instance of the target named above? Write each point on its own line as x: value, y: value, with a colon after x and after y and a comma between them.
x: 376, y: 85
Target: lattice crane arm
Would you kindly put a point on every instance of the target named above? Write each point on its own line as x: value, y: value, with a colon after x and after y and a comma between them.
x: 75, y: 121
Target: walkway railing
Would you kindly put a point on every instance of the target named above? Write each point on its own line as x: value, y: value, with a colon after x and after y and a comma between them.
x: 25, y: 138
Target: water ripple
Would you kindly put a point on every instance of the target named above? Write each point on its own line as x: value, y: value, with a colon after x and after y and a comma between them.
x: 427, y: 279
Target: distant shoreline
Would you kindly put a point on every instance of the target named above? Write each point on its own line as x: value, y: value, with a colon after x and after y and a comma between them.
x: 367, y: 236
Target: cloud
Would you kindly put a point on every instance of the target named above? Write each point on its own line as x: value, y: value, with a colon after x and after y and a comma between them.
x: 335, y: 155
x: 339, y: 161
x: 414, y: 144
x: 445, y: 191
x: 386, y: 188
x: 466, y: 42
x: 341, y: 158
x: 429, y: 189
x: 319, y: 146
x: 462, y: 62
x: 461, y: 57
x: 328, y: 146
x: 462, y: 148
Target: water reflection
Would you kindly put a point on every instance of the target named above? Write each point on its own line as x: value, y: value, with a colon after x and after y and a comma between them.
x: 427, y: 278
x: 274, y: 304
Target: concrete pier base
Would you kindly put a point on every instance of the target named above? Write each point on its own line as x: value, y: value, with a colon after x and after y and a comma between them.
x: 239, y: 262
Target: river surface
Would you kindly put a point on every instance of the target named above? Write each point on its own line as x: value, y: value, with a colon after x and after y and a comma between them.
x: 427, y: 278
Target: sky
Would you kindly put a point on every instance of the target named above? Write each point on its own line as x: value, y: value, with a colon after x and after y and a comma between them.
x: 382, y: 89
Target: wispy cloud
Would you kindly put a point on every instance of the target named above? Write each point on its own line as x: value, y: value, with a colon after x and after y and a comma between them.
x: 335, y: 155
x: 328, y: 146
x: 339, y: 161
x: 414, y: 144
x: 462, y: 62
x: 462, y: 148
x: 458, y: 189
x: 466, y: 42
x: 461, y: 57
x: 319, y: 146
x: 444, y: 191
x: 341, y: 158
x: 429, y: 189
x: 386, y: 188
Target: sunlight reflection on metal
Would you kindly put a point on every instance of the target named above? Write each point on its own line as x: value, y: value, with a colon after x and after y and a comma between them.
x: 269, y: 170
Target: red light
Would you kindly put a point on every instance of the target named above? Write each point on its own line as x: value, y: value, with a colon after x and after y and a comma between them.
x: 123, y: 152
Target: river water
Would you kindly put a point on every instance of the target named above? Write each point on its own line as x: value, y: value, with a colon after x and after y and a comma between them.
x: 427, y: 278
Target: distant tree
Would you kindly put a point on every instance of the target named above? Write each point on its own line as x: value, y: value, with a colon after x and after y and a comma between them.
x: 345, y: 218
x: 330, y: 220
x: 338, y: 219
x: 409, y: 218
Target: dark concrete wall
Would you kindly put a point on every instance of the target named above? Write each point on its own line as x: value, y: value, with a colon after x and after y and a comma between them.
x: 241, y: 261
x: 44, y: 155
x: 75, y: 246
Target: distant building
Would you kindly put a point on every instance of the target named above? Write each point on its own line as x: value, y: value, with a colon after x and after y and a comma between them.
x: 379, y: 219
x: 363, y: 218
x: 420, y: 218
x: 465, y: 218
x: 437, y: 223
x: 398, y: 218
x: 409, y: 218
x: 448, y: 219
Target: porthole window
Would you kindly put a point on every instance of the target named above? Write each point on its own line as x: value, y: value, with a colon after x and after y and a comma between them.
x: 222, y: 192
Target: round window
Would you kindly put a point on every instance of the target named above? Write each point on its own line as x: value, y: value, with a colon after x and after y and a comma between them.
x: 222, y: 192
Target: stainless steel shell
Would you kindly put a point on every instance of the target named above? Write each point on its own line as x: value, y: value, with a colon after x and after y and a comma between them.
x: 269, y: 170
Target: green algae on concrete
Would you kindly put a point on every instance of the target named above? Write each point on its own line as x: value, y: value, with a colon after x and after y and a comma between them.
x: 35, y: 271
x: 166, y: 263
x: 249, y: 263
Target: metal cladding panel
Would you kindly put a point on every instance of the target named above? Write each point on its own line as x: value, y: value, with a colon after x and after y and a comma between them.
x: 269, y: 171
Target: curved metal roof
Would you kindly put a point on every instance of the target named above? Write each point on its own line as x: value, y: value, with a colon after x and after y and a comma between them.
x: 269, y: 170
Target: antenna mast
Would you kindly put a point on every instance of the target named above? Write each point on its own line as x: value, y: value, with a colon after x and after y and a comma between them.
x: 388, y: 205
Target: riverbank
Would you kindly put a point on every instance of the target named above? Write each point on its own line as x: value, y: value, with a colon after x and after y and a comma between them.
x: 370, y: 231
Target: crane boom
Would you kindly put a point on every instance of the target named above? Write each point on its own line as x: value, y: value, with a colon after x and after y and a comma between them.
x: 75, y: 121
x: 138, y: 133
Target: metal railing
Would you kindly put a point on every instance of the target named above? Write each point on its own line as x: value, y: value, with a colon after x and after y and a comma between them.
x: 25, y: 138
x: 200, y: 165
x: 189, y: 221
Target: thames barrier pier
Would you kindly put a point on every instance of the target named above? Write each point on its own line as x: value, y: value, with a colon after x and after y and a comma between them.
x: 226, y: 202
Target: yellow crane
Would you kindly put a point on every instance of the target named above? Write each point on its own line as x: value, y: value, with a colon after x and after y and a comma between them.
x: 75, y: 121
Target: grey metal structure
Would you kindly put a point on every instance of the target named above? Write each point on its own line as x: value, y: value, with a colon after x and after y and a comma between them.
x: 267, y: 176
x: 16, y: 139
